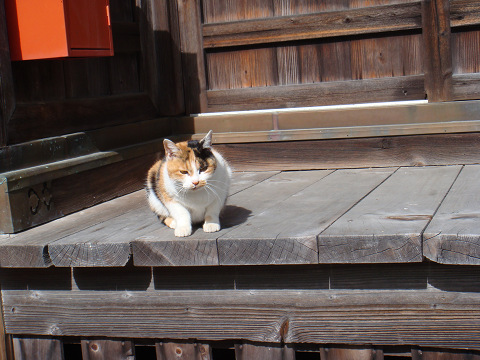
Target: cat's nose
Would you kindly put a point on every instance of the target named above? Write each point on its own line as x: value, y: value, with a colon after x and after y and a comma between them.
x: 195, y: 182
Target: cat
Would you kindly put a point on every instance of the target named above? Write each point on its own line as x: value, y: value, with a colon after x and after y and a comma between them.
x: 189, y: 185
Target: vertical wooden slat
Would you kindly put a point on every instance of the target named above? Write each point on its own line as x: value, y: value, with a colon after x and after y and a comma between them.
x: 437, y: 54
x: 108, y: 350
x: 6, y: 351
x: 37, y: 349
x: 248, y: 352
x: 7, y: 94
x: 160, y: 41
x: 173, y: 351
x: 193, y: 63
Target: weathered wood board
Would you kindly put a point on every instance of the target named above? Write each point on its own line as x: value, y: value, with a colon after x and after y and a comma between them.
x: 453, y: 236
x: 287, y: 232
x: 387, y: 225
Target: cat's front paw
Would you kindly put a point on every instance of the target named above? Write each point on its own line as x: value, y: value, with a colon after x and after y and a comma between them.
x: 211, y: 227
x: 182, y: 231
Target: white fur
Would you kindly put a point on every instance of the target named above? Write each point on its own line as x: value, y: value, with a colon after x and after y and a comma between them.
x: 192, y: 204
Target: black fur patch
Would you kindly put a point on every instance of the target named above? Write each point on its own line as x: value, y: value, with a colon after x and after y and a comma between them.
x: 199, y: 150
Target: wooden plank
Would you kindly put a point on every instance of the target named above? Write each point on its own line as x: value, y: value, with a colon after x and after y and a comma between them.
x: 194, y: 77
x: 375, y: 19
x: 355, y: 153
x: 63, y: 117
x: 29, y: 248
x: 437, y: 50
x: 287, y: 233
x: 453, y: 236
x: 387, y: 225
x: 327, y: 93
x: 7, y: 92
x: 161, y: 248
x: 34, y: 349
x: 180, y: 351
x: 6, y: 343
x: 465, y: 86
x: 295, y: 316
x: 249, y: 351
x: 446, y: 354
x: 107, y: 350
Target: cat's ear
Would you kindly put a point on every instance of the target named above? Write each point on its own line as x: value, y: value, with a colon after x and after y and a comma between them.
x: 170, y: 148
x: 206, y: 142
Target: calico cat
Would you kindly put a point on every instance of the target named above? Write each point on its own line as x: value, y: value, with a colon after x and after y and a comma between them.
x: 189, y: 185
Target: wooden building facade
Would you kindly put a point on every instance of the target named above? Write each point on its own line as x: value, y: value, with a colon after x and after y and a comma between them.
x: 105, y: 283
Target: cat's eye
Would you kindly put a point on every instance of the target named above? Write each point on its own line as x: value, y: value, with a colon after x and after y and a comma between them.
x: 183, y: 172
x: 203, y: 168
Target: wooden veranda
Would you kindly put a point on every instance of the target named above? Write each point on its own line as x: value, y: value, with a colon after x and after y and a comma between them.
x: 351, y: 231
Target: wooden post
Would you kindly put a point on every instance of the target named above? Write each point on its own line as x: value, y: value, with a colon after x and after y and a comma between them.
x: 108, y: 350
x: 438, y: 53
x: 7, y: 94
x: 160, y: 42
x: 191, y: 45
x: 248, y: 351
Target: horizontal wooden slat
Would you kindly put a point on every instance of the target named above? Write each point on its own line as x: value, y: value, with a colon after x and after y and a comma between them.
x: 466, y: 86
x: 376, y: 19
x: 464, y: 12
x: 328, y: 93
x: 420, y: 317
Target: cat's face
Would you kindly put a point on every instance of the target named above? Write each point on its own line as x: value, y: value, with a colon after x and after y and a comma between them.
x: 190, y: 163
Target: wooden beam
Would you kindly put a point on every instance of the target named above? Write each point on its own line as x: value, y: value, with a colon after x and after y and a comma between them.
x: 7, y: 92
x: 464, y: 12
x: 438, y: 51
x: 249, y: 351
x: 294, y: 316
x: 191, y: 46
x: 107, y: 350
x: 327, y: 93
x: 377, y: 19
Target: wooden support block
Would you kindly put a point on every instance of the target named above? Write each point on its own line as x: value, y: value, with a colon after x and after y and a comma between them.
x: 332, y: 353
x: 108, y: 350
x: 35, y: 349
x: 183, y: 351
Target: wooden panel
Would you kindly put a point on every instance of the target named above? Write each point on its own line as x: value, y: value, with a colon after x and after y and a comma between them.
x: 332, y: 353
x: 329, y: 93
x: 387, y: 225
x: 248, y: 351
x: 287, y: 232
x: 179, y: 351
x: 7, y: 92
x: 465, y: 86
x: 464, y: 12
x: 160, y: 248
x: 107, y: 350
x: 443, y: 355
x: 328, y: 24
x: 438, y: 51
x: 295, y: 316
x: 466, y: 52
x: 34, y: 349
x: 452, y: 236
x: 221, y: 11
x: 86, y: 77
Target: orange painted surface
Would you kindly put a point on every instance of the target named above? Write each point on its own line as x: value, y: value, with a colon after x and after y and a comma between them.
x: 41, y: 29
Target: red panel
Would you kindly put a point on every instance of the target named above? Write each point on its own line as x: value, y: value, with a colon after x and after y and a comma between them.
x: 88, y: 24
x: 36, y: 29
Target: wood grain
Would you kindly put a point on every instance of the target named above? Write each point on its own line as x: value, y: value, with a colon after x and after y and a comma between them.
x: 248, y: 351
x: 327, y: 93
x: 387, y: 225
x: 386, y: 317
x: 452, y: 236
x: 385, y: 18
